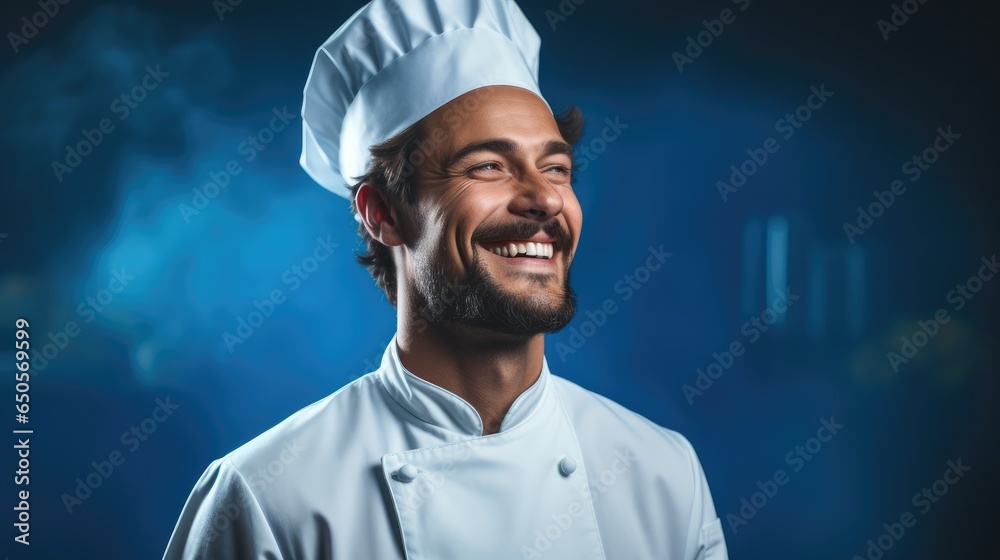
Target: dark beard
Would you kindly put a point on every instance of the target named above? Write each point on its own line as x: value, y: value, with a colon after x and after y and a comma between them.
x: 481, y: 302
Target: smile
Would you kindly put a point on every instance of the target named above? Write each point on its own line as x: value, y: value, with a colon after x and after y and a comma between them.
x: 521, y: 249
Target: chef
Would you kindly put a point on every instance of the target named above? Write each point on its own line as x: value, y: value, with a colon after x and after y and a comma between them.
x: 428, y: 117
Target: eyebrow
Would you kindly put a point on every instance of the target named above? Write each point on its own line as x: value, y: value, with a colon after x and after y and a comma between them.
x: 506, y: 147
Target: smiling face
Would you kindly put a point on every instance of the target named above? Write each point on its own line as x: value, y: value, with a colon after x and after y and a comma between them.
x: 496, y: 221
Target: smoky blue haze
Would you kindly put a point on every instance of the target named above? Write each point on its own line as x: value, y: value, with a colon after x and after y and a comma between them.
x: 816, y: 270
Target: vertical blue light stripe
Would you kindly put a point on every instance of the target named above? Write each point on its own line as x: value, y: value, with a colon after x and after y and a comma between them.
x: 777, y: 260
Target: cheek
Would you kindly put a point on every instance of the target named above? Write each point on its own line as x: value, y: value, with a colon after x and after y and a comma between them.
x: 576, y: 214
x: 574, y: 219
x: 466, y: 209
x: 449, y: 223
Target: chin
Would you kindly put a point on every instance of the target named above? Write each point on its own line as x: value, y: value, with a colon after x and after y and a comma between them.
x: 525, y: 303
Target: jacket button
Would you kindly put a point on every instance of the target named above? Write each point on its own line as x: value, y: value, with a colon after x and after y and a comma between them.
x: 567, y: 466
x: 407, y: 473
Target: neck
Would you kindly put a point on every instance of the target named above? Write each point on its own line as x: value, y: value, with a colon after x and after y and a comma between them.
x: 489, y: 370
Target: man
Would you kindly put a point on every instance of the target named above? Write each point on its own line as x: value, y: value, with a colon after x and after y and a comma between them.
x: 462, y: 445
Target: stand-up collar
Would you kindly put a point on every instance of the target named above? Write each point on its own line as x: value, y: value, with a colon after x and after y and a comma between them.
x: 440, y: 407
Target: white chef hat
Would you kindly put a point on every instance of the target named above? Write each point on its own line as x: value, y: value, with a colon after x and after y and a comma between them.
x: 393, y: 63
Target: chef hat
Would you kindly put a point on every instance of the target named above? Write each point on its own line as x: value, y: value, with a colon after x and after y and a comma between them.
x: 393, y: 63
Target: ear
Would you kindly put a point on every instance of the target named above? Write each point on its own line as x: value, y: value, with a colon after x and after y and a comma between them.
x: 378, y: 216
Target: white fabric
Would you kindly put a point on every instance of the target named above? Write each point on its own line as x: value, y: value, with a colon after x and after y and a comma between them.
x: 333, y: 481
x: 395, y: 62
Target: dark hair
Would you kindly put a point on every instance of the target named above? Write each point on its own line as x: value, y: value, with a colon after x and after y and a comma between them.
x: 393, y: 165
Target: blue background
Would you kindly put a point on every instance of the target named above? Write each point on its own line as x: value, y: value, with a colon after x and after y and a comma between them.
x: 196, y: 276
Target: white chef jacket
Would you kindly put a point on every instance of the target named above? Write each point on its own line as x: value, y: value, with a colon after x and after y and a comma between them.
x: 392, y: 466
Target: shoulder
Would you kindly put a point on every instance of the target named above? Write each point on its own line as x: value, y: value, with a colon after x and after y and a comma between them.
x: 636, y: 465
x: 601, y: 422
x: 287, y: 483
x: 311, y: 433
x: 222, y: 518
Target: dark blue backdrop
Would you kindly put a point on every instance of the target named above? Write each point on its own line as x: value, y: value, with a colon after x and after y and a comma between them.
x: 131, y: 266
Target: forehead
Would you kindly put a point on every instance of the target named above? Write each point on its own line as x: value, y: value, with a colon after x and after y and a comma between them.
x: 492, y: 112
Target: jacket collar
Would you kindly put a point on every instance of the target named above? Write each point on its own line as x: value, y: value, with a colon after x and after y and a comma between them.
x: 440, y: 407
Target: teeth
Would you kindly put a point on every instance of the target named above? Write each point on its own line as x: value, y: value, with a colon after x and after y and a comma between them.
x: 529, y: 249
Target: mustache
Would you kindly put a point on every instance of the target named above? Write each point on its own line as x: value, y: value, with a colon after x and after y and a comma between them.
x: 522, y: 229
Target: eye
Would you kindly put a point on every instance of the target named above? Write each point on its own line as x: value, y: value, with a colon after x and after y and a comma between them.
x: 559, y: 174
x: 489, y: 166
x: 488, y: 171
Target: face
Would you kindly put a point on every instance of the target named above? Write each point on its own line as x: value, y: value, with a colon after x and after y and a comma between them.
x: 496, y: 221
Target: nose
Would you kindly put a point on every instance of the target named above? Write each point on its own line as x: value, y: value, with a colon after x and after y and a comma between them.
x: 536, y: 198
